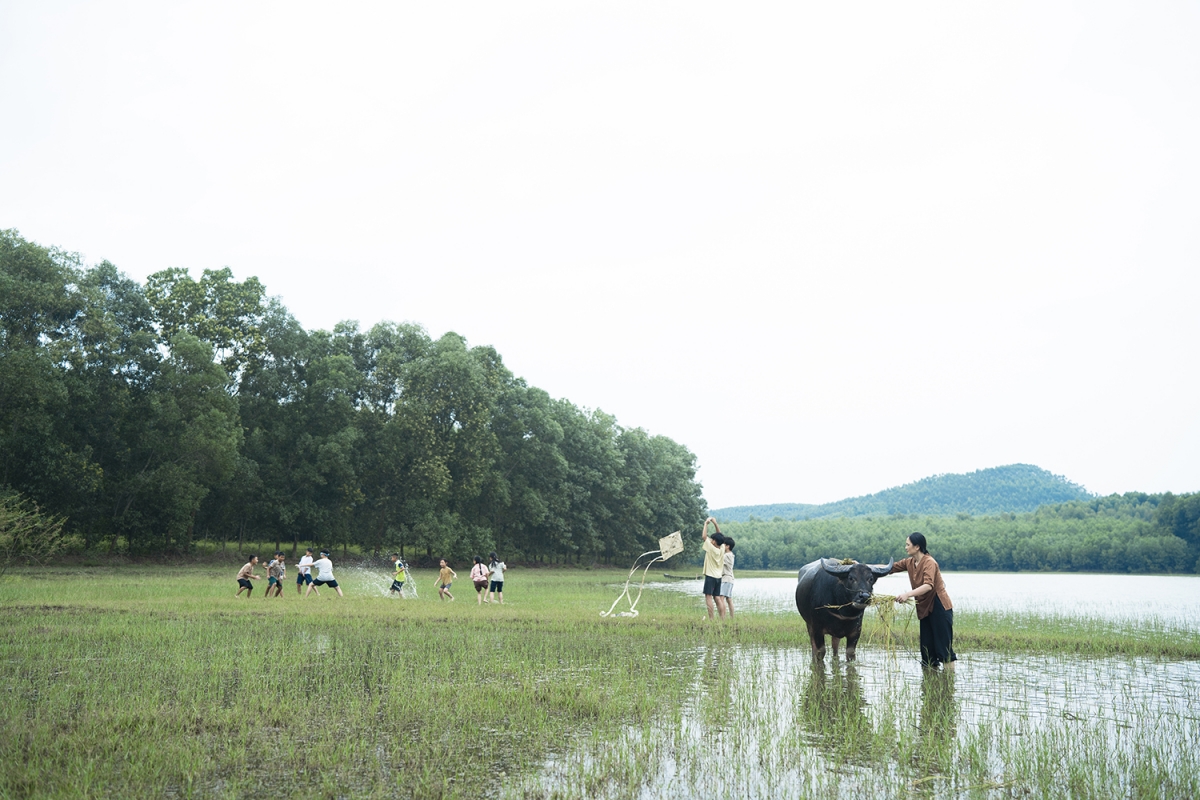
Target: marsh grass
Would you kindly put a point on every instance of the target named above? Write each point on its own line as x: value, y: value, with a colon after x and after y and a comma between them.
x: 134, y: 682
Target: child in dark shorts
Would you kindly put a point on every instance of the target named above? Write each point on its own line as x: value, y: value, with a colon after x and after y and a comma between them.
x: 245, y: 575
x: 304, y: 570
x: 713, y: 565
x: 445, y: 577
x: 275, y: 573
x: 324, y: 567
x: 398, y: 575
x: 479, y: 577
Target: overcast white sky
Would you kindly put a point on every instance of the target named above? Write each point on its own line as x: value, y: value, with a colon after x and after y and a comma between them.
x: 829, y: 247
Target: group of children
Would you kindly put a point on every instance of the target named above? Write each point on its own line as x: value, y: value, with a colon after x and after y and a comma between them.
x: 718, y: 570
x: 277, y: 570
x: 489, y: 576
x: 492, y: 574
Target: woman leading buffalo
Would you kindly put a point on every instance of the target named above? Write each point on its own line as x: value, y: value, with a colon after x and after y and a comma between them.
x: 934, y: 609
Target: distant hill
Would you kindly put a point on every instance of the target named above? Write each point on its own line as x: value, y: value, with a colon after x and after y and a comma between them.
x: 1015, y: 488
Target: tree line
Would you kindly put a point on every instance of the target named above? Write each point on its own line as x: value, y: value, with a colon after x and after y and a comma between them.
x: 1133, y: 532
x: 152, y: 417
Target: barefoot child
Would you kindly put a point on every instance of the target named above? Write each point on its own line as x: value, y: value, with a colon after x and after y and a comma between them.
x: 303, y: 569
x: 479, y: 577
x: 726, y: 596
x: 275, y: 573
x: 445, y: 577
x: 324, y: 575
x: 398, y: 576
x: 714, y: 563
x: 496, y: 568
x: 245, y: 575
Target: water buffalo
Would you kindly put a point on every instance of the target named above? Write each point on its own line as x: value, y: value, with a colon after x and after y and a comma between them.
x: 831, y: 596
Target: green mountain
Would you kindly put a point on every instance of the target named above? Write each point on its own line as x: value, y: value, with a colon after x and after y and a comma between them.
x: 1014, y: 488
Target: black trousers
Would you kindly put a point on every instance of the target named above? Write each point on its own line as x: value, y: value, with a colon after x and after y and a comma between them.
x: 937, y: 636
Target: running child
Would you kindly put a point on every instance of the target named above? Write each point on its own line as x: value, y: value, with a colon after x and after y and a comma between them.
x: 324, y: 575
x: 496, y: 568
x: 275, y: 573
x: 398, y: 576
x: 245, y: 575
x: 479, y: 577
x: 445, y: 577
x: 302, y: 571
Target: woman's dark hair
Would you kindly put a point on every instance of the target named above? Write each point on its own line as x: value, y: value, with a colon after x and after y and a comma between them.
x: 919, y: 540
x: 478, y: 560
x: 495, y: 558
x: 729, y: 542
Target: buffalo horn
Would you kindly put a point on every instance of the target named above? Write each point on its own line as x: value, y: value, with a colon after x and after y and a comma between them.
x: 881, y: 571
x: 835, y: 567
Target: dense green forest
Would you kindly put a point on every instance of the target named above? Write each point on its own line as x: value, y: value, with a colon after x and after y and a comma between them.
x: 1011, y: 489
x: 152, y: 417
x: 1133, y: 532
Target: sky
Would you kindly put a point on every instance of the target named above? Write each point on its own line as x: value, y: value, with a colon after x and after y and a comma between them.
x: 831, y: 248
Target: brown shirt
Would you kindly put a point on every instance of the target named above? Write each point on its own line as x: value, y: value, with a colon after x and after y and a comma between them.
x: 245, y: 572
x: 926, y: 571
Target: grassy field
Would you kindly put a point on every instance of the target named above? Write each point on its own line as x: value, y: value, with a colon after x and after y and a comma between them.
x: 154, y: 681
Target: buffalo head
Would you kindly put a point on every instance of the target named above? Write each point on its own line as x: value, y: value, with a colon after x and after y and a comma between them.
x: 855, y: 582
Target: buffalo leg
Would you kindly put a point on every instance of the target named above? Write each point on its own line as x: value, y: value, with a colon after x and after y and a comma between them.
x: 817, y: 639
x: 833, y: 640
x: 852, y: 643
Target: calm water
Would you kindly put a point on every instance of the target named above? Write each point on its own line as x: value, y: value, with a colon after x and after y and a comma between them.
x: 1170, y: 599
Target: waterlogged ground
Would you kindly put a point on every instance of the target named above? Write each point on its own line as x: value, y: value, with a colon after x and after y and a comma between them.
x: 764, y: 723
x: 128, y: 681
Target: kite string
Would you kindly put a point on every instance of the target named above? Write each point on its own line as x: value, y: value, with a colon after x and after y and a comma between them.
x: 650, y: 563
x: 625, y: 592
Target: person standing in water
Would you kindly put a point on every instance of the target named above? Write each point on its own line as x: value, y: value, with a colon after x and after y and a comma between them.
x: 934, y: 609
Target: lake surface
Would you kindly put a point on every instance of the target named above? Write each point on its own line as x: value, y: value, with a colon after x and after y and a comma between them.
x: 1170, y: 599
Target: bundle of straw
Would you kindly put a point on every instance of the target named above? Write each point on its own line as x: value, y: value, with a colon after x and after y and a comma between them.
x: 886, y: 611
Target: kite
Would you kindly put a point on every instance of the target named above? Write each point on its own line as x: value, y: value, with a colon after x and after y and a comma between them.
x: 667, y: 546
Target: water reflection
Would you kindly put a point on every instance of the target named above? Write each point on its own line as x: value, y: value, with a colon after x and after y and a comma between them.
x: 938, y: 721
x: 767, y: 723
x: 831, y: 712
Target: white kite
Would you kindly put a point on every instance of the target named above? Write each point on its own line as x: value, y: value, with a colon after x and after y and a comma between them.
x: 667, y: 546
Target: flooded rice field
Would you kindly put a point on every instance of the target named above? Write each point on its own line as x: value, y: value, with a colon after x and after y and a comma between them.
x: 1172, y: 600
x: 767, y: 723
